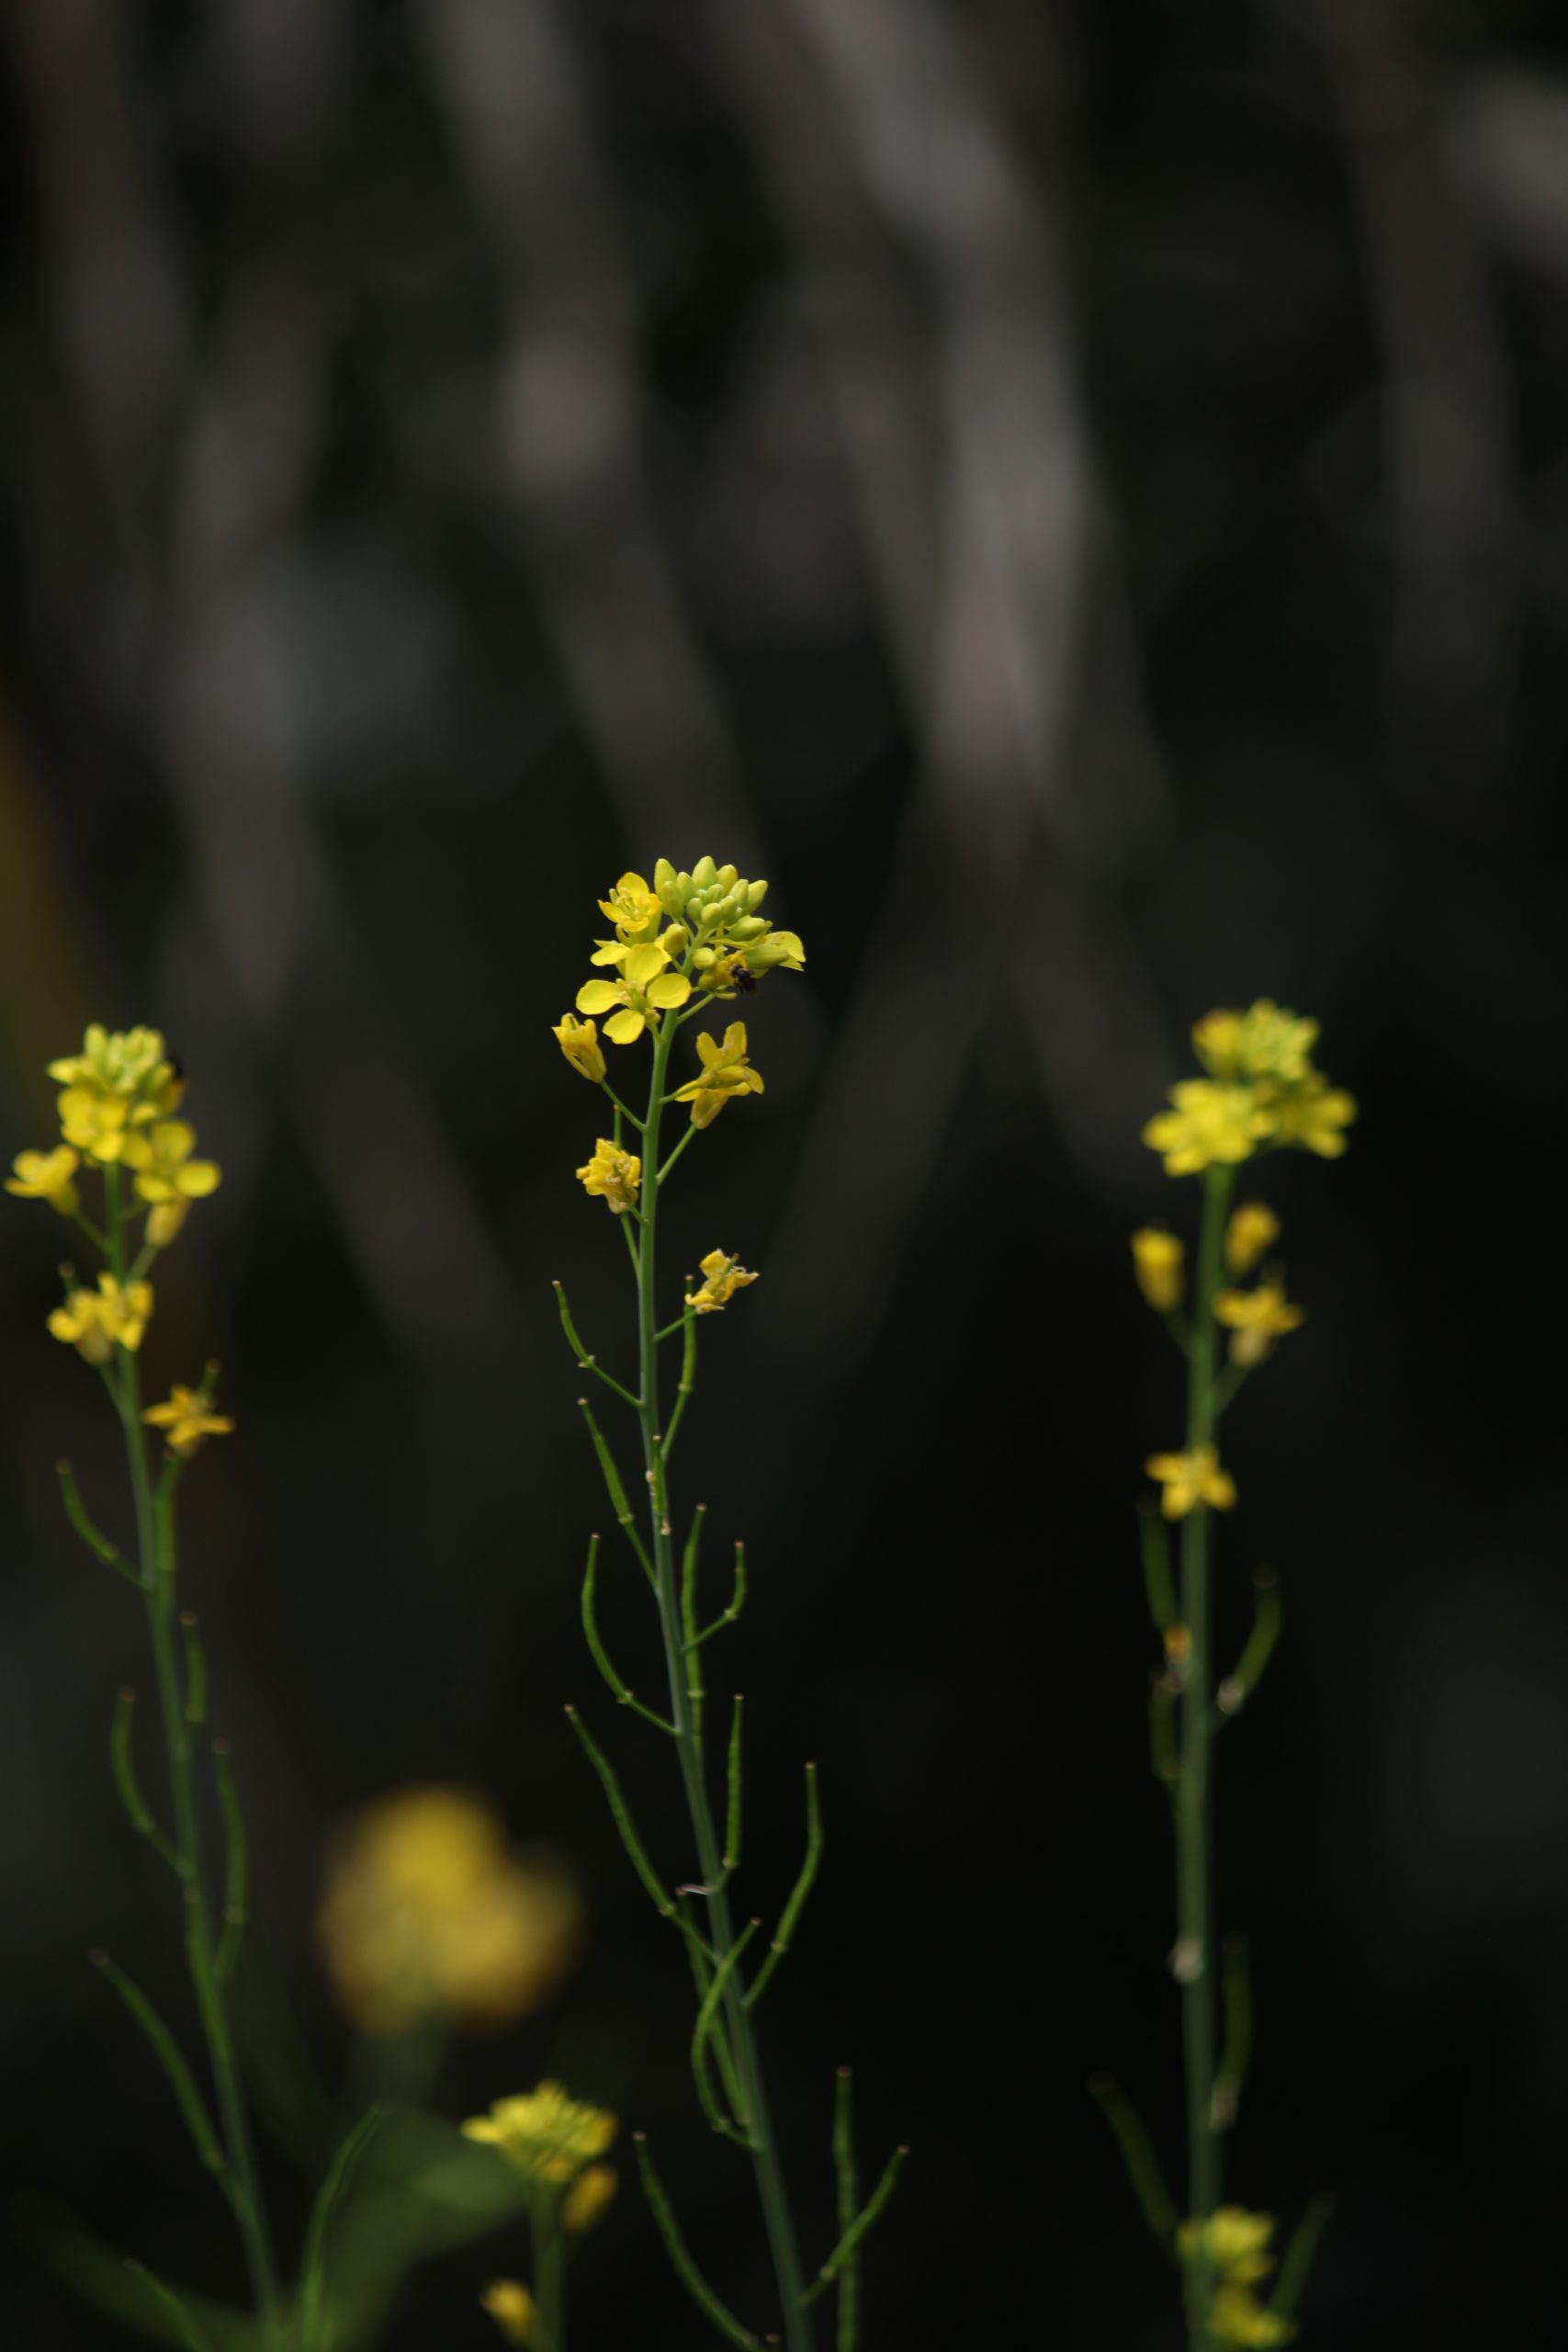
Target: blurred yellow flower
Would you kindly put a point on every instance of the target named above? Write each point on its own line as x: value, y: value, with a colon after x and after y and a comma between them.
x: 1253, y: 1228
x: 1191, y: 1479
x: 587, y: 2198
x: 1313, y: 1116
x: 612, y: 1174
x: 722, y: 1277
x: 128, y: 1062
x: 1267, y: 1041
x: 578, y: 1041
x: 1157, y: 1267
x: 188, y: 1421
x: 1233, y: 2240
x: 511, y: 2306
x: 165, y: 1172
x: 1209, y: 1123
x: 95, y: 1321
x: 1257, y: 1317
x: 426, y: 1915
x: 725, y: 1071
x: 543, y: 2135
x: 1236, y: 2316
x: 646, y: 988
x: 46, y: 1176
x: 97, y: 1124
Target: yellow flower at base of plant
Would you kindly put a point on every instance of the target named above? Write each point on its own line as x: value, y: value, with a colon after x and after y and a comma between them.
x: 188, y: 1421
x: 543, y: 2135
x: 1157, y: 1265
x: 46, y: 1176
x: 1257, y: 1317
x: 646, y: 988
x: 1312, y: 1117
x: 725, y: 1071
x: 511, y: 2306
x: 165, y: 1172
x: 587, y: 2198
x: 1236, y: 2316
x: 1253, y: 1228
x: 426, y: 1915
x: 95, y: 1321
x: 722, y: 1277
x: 1190, y: 1480
x: 1208, y: 1123
x: 612, y: 1175
x: 578, y: 1041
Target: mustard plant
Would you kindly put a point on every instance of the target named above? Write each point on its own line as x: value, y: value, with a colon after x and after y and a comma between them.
x: 679, y: 948
x: 1259, y: 1092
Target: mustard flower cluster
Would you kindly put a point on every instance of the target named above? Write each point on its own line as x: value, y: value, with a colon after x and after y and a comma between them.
x: 1261, y: 1093
x: 117, y: 1107
x: 677, y: 944
x: 1234, y: 2243
x: 553, y: 2145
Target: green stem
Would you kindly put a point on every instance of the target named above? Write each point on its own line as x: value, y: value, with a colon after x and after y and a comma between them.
x: 1194, y: 1893
x: 549, y: 2274
x: 153, y: 1526
x: 777, y: 2218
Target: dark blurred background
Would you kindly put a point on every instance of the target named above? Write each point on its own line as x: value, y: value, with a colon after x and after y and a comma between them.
x: 1077, y: 495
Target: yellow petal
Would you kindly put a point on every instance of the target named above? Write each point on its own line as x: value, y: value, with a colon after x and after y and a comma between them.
x: 597, y: 996
x: 623, y: 1027
x: 672, y: 990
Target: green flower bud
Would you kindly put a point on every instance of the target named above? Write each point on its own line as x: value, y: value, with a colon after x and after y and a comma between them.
x: 728, y: 877
x: 747, y: 927
x: 675, y: 941
x: 780, y: 948
x: 705, y: 873
x: 755, y: 894
x: 667, y: 890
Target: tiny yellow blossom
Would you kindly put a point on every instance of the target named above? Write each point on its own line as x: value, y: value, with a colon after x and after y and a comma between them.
x: 128, y: 1062
x: 543, y: 2135
x: 725, y: 1071
x: 98, y: 1124
x: 1190, y: 1480
x: 511, y: 2306
x: 1253, y: 1228
x: 632, y: 908
x: 1236, y: 2316
x: 578, y: 1041
x: 1257, y: 1317
x: 587, y: 2198
x: 165, y: 1172
x: 426, y: 1914
x: 1156, y: 1266
x: 722, y: 1277
x: 1265, y: 1042
x: 46, y: 1176
x: 646, y: 988
x: 1313, y: 1116
x: 1209, y: 1123
x: 95, y: 1322
x: 1233, y: 2240
x: 187, y: 1419
x: 614, y: 1174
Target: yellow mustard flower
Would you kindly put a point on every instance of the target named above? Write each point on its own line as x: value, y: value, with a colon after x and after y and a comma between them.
x: 1313, y: 1116
x: 1209, y: 1123
x: 165, y: 1172
x: 1156, y: 1266
x: 1231, y: 2238
x: 46, y: 1176
x: 725, y: 1071
x: 722, y: 1277
x: 1257, y: 1317
x: 187, y: 1419
x: 1190, y: 1480
x: 426, y: 1915
x: 587, y: 2198
x: 614, y: 1174
x: 632, y: 908
x: 1253, y: 1228
x: 776, y: 951
x: 1236, y: 2316
x: 95, y: 1321
x: 98, y: 1124
x: 1267, y: 1041
x: 511, y: 2306
x: 543, y: 2135
x: 646, y: 988
x: 578, y: 1041
x: 129, y: 1062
